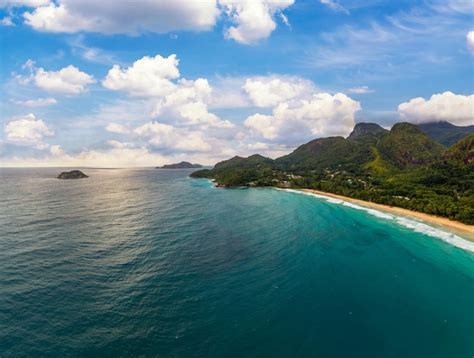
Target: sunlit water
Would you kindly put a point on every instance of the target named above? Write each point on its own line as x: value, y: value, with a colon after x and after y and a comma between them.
x: 152, y: 263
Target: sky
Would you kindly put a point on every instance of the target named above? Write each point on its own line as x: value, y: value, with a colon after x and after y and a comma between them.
x: 122, y: 83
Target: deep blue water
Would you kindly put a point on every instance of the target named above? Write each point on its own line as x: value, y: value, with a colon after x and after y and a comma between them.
x: 151, y: 263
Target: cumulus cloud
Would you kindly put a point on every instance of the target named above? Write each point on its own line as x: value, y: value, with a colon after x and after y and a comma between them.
x: 188, y: 103
x: 56, y: 150
x: 177, y: 98
x: 39, y: 102
x: 117, y: 128
x: 69, y: 80
x: 321, y: 115
x: 272, y: 90
x: 267, y: 126
x: 165, y: 136
x: 470, y: 41
x: 128, y: 17
x: 28, y: 131
x: 228, y: 93
x: 148, y: 76
x: 447, y: 106
x: 361, y: 90
x: 253, y: 19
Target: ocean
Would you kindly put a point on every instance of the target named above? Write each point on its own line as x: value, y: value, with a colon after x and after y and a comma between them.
x: 151, y: 263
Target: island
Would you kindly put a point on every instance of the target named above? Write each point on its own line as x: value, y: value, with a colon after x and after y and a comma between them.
x: 73, y: 174
x: 181, y: 165
x: 409, y: 167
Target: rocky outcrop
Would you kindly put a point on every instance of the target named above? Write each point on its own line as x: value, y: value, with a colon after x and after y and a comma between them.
x: 73, y: 174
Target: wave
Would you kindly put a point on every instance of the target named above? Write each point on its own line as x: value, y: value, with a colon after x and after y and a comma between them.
x: 414, y: 225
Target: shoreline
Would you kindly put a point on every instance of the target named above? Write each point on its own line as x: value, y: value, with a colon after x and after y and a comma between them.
x: 467, y: 231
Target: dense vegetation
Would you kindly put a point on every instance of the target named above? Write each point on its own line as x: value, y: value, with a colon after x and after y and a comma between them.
x: 402, y: 167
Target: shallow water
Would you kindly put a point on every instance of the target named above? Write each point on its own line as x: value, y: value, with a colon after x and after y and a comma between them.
x: 152, y: 263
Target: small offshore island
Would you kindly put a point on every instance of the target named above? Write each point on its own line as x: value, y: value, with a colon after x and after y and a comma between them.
x: 181, y: 165
x: 73, y: 174
x: 408, y: 167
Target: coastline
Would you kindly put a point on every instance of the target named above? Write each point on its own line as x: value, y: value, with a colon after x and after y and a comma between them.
x: 467, y: 231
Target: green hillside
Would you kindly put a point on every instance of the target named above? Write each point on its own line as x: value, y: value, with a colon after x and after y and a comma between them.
x: 406, y: 145
x: 402, y: 167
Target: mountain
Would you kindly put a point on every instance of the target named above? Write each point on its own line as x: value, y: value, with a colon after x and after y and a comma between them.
x: 180, y: 165
x: 239, y: 171
x: 402, y: 167
x: 445, y: 132
x: 367, y: 132
x: 406, y: 145
x: 254, y: 161
x: 462, y: 152
x: 323, y: 153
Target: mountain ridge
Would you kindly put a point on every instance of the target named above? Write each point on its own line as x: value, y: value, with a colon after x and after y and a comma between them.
x: 446, y: 133
x: 180, y: 165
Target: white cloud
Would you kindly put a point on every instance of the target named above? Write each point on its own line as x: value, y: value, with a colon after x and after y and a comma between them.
x: 118, y: 145
x: 361, y: 90
x: 447, y: 106
x: 470, y: 41
x: 117, y: 128
x: 185, y: 100
x: 335, y: 6
x: 165, y: 136
x: 28, y: 131
x: 7, y: 21
x: 128, y: 17
x: 253, y: 19
x: 258, y: 146
x: 148, y: 76
x: 69, y: 80
x: 321, y: 115
x: 228, y: 93
x: 272, y: 90
x: 188, y: 104
x: 25, y: 3
x: 56, y: 150
x: 267, y: 126
x: 39, y: 102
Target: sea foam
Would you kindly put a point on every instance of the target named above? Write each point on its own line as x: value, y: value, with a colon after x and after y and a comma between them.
x: 414, y: 225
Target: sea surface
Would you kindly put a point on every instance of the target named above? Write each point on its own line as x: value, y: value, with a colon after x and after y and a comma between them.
x: 150, y: 263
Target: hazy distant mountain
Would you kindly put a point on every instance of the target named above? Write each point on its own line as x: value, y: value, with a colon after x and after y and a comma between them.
x: 402, y: 167
x: 180, y: 165
x: 445, y: 133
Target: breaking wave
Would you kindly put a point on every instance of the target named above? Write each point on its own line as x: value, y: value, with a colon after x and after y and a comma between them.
x: 411, y: 224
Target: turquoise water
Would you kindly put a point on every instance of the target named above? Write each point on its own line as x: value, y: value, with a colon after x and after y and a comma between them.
x: 151, y: 263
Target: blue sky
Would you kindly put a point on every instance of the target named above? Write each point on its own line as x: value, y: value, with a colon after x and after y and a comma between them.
x: 138, y: 83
